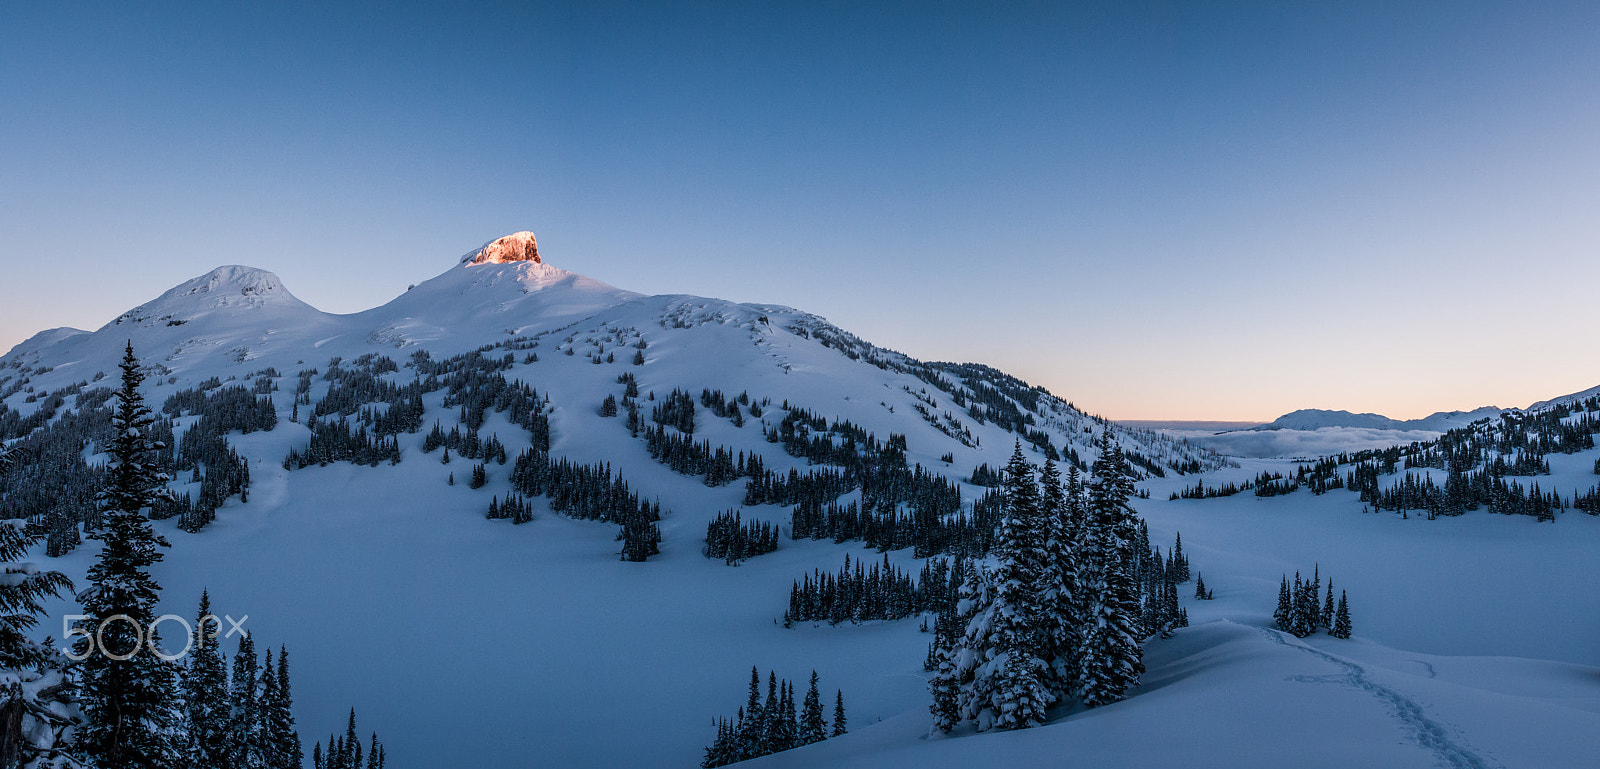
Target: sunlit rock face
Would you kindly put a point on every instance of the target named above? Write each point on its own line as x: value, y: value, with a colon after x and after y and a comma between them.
x: 516, y: 247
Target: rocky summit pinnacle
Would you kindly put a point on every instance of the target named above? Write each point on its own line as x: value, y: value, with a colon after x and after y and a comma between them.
x: 516, y: 247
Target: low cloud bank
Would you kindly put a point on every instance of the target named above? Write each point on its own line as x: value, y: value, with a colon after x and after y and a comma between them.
x: 1301, y: 443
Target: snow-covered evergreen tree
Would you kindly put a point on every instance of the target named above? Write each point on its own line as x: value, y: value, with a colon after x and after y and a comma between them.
x: 37, y: 710
x: 23, y: 586
x: 1058, y: 588
x: 1112, y: 660
x: 959, y: 655
x: 130, y: 696
x: 1001, y: 647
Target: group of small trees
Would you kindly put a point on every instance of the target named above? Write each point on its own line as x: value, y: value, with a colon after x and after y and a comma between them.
x: 345, y: 752
x: 514, y: 508
x: 1302, y: 610
x: 855, y: 595
x: 591, y: 492
x: 733, y: 539
x: 1056, y: 614
x: 242, y: 721
x: 774, y: 725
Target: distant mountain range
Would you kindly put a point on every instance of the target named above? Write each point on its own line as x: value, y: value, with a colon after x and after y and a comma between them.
x: 1439, y: 421
x: 1316, y: 419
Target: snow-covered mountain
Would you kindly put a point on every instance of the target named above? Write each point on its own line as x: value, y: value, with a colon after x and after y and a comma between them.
x: 238, y: 320
x: 1316, y: 419
x: 469, y: 641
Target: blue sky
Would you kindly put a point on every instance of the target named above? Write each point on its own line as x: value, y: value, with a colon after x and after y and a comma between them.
x: 1169, y: 210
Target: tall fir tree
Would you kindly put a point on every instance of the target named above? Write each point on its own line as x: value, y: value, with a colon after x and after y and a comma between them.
x: 1058, y: 585
x: 1283, y: 616
x: 1020, y: 615
x: 352, y: 744
x: 267, y: 692
x: 812, y: 727
x: 207, y: 691
x: 246, y: 743
x: 376, y: 755
x: 1180, y: 562
x: 1341, y: 620
x: 132, y: 704
x: 1007, y: 688
x: 1112, y: 659
x: 957, y: 656
x: 840, y: 725
x: 1328, y: 607
x: 284, y: 735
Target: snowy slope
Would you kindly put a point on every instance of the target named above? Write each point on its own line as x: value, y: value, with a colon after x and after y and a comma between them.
x: 471, y: 642
x: 1566, y: 399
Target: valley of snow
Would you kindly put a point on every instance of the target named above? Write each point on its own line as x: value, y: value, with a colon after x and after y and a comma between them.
x: 471, y: 642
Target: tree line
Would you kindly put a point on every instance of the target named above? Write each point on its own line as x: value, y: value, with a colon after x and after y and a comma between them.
x: 763, y: 727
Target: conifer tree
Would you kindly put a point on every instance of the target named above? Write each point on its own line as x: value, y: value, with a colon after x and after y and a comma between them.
x: 1058, y: 584
x: 840, y: 725
x: 1112, y: 658
x: 946, y: 688
x: 1283, y: 616
x: 958, y: 656
x: 812, y: 727
x: 246, y: 742
x: 749, y: 732
x: 1313, y: 600
x: 1327, y: 607
x: 29, y: 716
x: 22, y: 588
x: 1341, y: 620
x: 132, y: 706
x: 207, y: 691
x: 1180, y: 562
x: 1017, y: 695
x: 352, y: 743
x: 640, y: 536
x: 376, y: 754
x: 283, y: 733
x: 267, y: 691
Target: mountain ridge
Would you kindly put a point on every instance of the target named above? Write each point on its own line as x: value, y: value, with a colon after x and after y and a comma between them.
x: 1313, y: 419
x: 236, y: 320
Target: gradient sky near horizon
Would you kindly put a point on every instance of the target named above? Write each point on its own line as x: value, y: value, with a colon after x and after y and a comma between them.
x: 1157, y: 210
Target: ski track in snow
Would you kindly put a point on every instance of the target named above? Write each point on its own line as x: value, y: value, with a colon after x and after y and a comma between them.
x: 1442, y: 739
